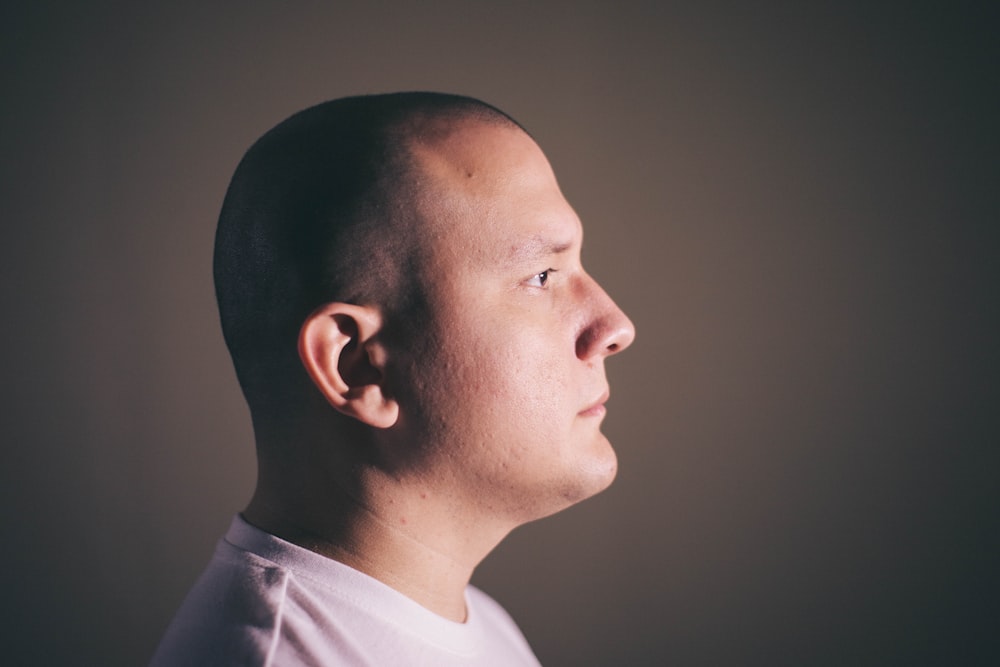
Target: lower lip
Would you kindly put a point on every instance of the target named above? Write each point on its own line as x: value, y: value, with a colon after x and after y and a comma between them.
x: 597, y: 411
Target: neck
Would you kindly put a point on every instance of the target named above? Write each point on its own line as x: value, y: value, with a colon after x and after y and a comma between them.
x: 407, y: 538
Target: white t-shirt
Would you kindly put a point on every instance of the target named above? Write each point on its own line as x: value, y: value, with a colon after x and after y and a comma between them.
x: 265, y: 602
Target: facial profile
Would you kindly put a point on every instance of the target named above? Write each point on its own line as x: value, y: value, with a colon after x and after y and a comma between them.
x: 507, y: 384
x: 423, y: 277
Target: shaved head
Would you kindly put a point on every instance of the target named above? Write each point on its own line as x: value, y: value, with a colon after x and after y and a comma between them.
x: 321, y: 209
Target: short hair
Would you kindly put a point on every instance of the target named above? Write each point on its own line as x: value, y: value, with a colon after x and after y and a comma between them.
x: 316, y: 212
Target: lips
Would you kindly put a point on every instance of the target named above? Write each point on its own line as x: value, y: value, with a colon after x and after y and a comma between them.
x: 596, y: 409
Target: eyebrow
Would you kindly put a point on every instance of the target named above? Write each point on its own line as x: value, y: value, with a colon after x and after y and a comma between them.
x: 535, y: 248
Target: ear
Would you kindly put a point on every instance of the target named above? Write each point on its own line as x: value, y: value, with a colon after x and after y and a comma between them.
x: 340, y: 351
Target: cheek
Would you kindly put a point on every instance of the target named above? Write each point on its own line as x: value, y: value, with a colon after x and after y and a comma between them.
x: 515, y: 360
x: 499, y: 373
x: 502, y: 377
x: 525, y: 391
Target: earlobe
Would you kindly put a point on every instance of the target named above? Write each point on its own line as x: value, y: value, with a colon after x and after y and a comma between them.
x: 339, y: 348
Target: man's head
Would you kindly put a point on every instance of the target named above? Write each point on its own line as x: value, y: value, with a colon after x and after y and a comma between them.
x: 410, y: 259
x: 317, y: 211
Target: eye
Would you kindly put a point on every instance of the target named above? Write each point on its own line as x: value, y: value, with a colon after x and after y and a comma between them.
x: 540, y: 279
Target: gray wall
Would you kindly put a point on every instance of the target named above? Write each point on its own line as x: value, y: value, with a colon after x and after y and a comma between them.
x: 797, y: 207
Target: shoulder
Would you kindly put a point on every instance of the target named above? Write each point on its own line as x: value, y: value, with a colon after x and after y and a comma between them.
x: 229, y: 616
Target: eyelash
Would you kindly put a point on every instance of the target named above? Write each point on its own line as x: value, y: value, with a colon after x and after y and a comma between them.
x: 543, y: 277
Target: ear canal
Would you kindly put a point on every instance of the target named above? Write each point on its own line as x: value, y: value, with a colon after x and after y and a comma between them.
x: 353, y: 361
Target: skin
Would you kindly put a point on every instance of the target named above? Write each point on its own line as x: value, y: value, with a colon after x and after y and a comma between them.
x: 491, y: 417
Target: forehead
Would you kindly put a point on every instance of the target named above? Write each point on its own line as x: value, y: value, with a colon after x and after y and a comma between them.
x: 488, y: 192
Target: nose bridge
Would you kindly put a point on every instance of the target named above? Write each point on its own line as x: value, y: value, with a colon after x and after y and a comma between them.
x: 607, y: 329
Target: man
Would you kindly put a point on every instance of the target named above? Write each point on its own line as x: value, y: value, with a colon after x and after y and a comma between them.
x: 400, y: 288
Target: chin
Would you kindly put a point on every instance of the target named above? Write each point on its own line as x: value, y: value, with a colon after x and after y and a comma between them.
x: 600, y: 473
x: 594, y: 475
x: 590, y: 471
x: 602, y: 464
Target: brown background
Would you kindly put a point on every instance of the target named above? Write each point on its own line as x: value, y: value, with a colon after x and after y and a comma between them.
x: 798, y: 208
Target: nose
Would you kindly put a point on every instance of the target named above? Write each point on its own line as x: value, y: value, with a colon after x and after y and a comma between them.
x: 608, y: 330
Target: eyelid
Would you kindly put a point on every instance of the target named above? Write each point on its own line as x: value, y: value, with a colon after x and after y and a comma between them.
x: 536, y: 277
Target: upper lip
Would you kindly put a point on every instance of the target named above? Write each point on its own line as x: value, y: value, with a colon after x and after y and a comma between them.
x: 601, y: 400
